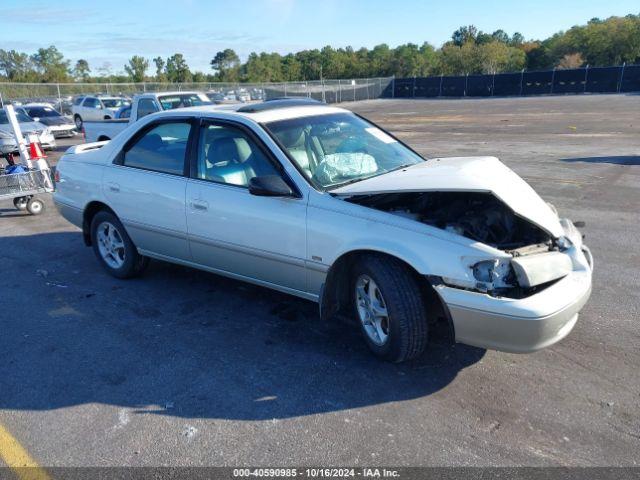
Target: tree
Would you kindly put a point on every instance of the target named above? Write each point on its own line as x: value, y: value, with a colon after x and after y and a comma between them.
x: 81, y: 71
x: 177, y: 69
x: 226, y: 64
x: 464, y: 35
x: 51, y: 65
x: 570, y: 60
x: 17, y: 66
x: 160, y: 69
x: 136, y: 68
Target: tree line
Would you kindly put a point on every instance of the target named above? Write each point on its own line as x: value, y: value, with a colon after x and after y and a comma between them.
x: 469, y: 51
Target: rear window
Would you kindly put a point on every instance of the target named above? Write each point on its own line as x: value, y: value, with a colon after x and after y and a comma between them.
x: 170, y: 102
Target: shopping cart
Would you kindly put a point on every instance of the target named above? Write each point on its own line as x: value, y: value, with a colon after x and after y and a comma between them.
x: 23, y: 188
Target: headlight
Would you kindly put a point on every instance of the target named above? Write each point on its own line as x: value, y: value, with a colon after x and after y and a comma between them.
x: 486, y: 271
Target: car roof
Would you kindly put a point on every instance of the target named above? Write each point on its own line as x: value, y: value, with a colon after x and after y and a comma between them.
x: 269, y: 113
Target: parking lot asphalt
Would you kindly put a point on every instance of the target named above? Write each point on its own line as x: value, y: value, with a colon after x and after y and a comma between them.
x: 182, y: 367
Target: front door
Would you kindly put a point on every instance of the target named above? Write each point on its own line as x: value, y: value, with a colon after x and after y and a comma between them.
x: 146, y: 188
x: 233, y: 231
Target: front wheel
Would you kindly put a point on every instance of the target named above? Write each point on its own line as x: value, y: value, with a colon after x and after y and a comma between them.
x: 113, y: 247
x: 35, y: 206
x: 390, y: 308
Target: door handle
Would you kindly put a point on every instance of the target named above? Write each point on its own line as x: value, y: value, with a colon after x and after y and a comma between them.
x: 114, y: 187
x: 199, y: 205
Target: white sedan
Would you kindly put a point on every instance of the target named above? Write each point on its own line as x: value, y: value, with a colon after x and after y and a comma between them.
x: 317, y: 202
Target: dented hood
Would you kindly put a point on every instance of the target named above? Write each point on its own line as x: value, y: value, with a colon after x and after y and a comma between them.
x: 464, y: 174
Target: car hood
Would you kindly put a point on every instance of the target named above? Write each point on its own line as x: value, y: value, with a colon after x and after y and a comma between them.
x: 464, y: 174
x: 55, y: 121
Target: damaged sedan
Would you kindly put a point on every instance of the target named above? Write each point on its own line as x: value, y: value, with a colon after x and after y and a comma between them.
x: 318, y: 202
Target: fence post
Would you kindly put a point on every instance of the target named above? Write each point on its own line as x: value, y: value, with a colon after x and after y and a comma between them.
x: 553, y: 79
x: 393, y: 87
x: 493, y: 84
x: 440, y: 91
x: 521, y: 81
x: 586, y: 77
x: 624, y: 64
x: 285, y: 89
x: 414, y: 87
x: 466, y: 83
x: 379, y: 88
x: 59, y: 98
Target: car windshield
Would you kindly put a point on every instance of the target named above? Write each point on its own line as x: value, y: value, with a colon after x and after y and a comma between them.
x: 41, y: 112
x: 170, y: 102
x: 114, y: 102
x: 22, y: 118
x: 336, y: 149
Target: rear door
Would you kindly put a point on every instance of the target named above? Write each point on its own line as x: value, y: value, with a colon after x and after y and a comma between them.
x: 89, y: 109
x: 145, y: 186
x: 232, y: 231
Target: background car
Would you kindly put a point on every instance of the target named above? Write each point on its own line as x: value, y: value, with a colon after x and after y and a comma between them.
x: 243, y: 96
x: 96, y: 108
x: 59, y: 125
x: 28, y: 126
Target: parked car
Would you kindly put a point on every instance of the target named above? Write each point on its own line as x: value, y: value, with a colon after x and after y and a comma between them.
x: 216, y: 97
x: 317, y: 202
x: 59, y: 125
x: 28, y: 126
x: 96, y: 108
x: 142, y: 106
x: 243, y: 96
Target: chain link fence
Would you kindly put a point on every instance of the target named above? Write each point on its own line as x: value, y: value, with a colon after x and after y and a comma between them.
x: 329, y: 91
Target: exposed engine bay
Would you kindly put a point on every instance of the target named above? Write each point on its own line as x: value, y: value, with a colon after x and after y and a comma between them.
x: 476, y: 215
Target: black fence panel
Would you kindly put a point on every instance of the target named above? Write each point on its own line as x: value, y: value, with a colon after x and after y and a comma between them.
x: 537, y: 83
x: 426, y: 87
x: 506, y: 84
x: 404, y: 87
x: 569, y: 81
x: 479, y: 85
x: 578, y: 80
x: 603, y: 79
x: 630, y: 79
x: 454, y: 86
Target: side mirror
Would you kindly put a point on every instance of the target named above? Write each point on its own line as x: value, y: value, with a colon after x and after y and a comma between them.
x: 269, y: 186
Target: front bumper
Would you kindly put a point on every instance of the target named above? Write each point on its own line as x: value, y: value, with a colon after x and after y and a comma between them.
x: 520, y: 325
x: 63, y: 130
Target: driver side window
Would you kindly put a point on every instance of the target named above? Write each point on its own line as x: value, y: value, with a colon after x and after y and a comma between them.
x: 228, y: 155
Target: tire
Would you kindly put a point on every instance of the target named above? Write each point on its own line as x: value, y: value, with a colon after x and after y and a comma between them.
x: 119, y: 258
x: 78, y: 121
x: 405, y: 326
x: 21, y: 202
x: 35, y: 206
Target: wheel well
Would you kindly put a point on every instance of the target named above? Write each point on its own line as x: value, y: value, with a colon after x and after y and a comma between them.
x: 90, y: 211
x: 107, y: 117
x: 103, y: 138
x: 335, y: 301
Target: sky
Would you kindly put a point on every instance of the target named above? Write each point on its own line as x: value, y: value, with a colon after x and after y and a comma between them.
x: 107, y: 33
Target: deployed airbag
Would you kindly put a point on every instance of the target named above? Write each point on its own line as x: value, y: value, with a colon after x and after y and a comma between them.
x: 341, y: 166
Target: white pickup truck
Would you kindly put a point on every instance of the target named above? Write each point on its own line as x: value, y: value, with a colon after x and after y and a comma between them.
x: 143, y: 105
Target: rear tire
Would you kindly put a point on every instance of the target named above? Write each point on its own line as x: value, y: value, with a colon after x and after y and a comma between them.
x: 390, y: 308
x: 113, y: 247
x: 35, y: 206
x: 78, y: 121
x: 21, y: 202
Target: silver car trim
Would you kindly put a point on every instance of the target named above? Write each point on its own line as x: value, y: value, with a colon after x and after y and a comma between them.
x: 235, y: 276
x: 318, y: 267
x: 151, y: 228
x: 298, y: 262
